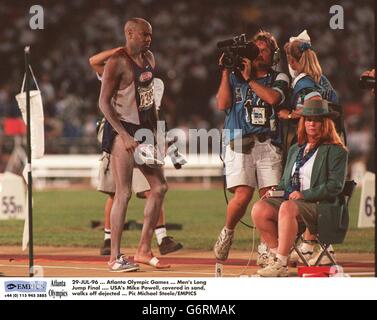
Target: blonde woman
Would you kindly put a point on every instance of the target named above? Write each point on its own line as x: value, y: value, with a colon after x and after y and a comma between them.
x: 308, y: 81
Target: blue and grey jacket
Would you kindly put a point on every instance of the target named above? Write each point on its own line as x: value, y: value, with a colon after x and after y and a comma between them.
x: 304, y: 87
x: 249, y: 113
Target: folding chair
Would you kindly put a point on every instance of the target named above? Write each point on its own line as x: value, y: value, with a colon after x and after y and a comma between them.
x: 345, y: 197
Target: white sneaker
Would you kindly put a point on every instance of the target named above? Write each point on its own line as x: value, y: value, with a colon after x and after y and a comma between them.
x: 223, y: 244
x: 274, y: 269
x: 325, y: 261
x: 295, y: 258
x: 121, y: 264
x: 265, y: 256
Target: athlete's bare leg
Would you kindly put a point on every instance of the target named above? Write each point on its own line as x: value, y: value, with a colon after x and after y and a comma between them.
x: 152, y: 211
x: 122, y: 163
x: 161, y: 218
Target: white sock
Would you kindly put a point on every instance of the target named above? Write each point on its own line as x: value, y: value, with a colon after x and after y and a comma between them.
x: 307, y: 247
x: 283, y: 259
x: 228, y: 230
x: 274, y: 251
x: 107, y: 234
x: 160, y: 233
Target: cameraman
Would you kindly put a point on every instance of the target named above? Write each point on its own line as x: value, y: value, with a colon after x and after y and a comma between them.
x: 249, y: 98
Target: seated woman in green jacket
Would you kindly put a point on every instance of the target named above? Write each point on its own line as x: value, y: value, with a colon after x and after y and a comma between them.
x: 314, y: 174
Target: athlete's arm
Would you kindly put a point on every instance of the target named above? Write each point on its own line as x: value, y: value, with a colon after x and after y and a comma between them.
x: 97, y: 62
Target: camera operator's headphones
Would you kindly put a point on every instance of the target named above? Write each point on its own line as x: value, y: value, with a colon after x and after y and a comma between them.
x: 276, y: 56
x: 272, y: 43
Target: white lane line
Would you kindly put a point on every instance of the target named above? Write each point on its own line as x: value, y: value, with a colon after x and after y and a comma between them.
x: 355, y: 274
x: 187, y: 272
x: 53, y: 267
x: 361, y: 274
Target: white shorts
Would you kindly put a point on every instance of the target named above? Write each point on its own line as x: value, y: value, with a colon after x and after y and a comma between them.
x: 106, y: 182
x: 260, y: 169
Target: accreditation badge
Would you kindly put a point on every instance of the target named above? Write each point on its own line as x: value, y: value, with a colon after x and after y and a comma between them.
x: 258, y: 116
x: 238, y: 94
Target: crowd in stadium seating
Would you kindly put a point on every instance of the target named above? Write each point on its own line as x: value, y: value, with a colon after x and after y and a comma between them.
x: 184, y: 44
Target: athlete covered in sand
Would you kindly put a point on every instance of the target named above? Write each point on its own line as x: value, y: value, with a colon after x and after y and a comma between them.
x: 127, y: 102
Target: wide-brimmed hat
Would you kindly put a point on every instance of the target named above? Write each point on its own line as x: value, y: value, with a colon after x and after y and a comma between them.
x: 318, y: 108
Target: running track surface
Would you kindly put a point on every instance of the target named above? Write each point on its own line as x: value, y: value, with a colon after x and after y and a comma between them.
x: 86, y: 262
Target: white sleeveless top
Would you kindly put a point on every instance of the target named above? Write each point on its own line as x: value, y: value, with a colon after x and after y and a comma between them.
x: 125, y: 106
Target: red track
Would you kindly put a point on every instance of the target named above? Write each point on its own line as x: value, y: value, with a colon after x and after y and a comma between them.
x: 175, y: 260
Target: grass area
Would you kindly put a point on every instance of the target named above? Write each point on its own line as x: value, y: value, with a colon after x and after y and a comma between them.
x: 62, y: 218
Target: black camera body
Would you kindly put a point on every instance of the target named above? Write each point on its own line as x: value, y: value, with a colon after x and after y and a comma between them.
x: 235, y: 50
x: 367, y: 82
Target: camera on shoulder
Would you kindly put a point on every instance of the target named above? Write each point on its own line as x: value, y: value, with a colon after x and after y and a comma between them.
x: 235, y: 50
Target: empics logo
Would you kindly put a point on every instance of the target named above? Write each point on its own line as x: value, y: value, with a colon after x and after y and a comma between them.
x: 11, y: 286
x: 25, y: 286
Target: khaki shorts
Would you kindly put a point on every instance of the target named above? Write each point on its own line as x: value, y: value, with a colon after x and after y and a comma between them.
x: 259, y: 169
x: 308, y: 211
x: 106, y: 182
